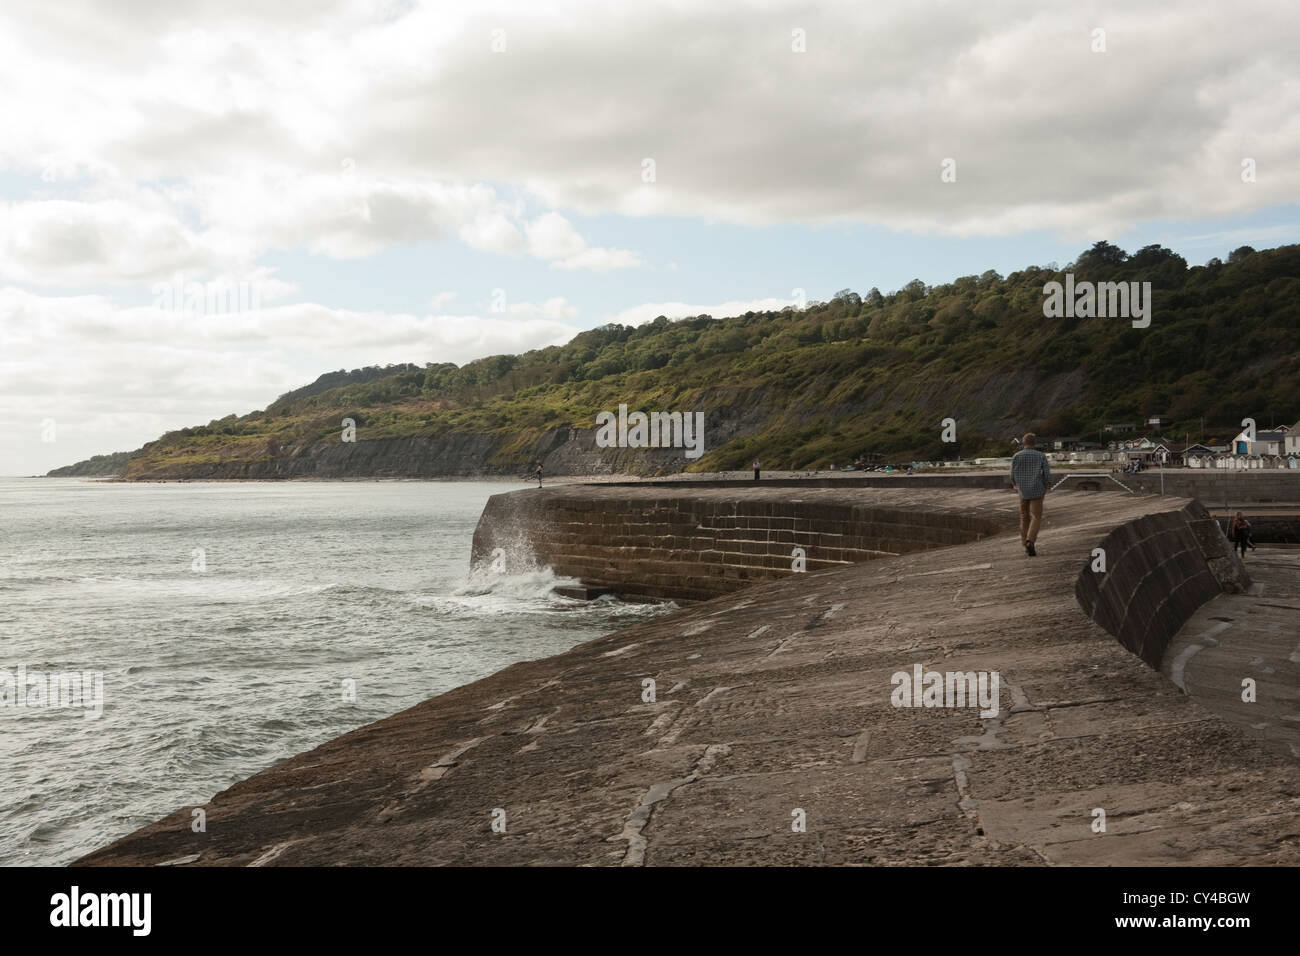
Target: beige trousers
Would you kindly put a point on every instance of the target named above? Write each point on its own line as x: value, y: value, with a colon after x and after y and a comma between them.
x: 1031, y: 517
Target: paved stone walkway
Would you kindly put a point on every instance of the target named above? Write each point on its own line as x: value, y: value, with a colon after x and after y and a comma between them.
x: 1253, y: 636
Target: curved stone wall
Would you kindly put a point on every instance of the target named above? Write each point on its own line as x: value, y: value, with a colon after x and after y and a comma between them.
x: 1158, y: 570
x: 697, y: 543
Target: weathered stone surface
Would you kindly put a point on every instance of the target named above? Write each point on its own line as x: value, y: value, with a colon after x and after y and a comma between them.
x: 624, y: 538
x: 1160, y: 568
x: 778, y: 699
x: 1238, y: 654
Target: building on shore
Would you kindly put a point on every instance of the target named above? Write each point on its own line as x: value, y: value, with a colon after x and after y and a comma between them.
x: 1291, y: 443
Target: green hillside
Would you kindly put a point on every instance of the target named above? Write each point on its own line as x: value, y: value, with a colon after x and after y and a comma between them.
x: 862, y: 372
x: 98, y: 466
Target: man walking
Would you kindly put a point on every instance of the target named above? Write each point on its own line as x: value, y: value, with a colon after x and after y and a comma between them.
x: 1030, y: 474
x: 757, y: 465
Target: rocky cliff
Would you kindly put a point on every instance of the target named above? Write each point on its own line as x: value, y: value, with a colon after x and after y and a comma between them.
x: 571, y: 451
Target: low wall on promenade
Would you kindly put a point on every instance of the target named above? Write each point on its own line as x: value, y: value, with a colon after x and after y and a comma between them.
x: 1159, y: 569
x: 1216, y: 486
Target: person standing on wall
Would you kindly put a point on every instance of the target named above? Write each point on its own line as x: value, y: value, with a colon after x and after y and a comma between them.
x: 757, y: 465
x: 1030, y: 474
x: 537, y: 473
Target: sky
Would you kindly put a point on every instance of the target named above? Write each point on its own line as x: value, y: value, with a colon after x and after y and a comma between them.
x: 207, y: 203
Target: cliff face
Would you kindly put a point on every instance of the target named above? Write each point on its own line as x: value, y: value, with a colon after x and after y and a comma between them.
x: 735, y: 419
x: 562, y: 452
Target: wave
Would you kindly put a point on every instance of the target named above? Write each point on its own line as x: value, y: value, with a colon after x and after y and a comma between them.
x: 537, y: 584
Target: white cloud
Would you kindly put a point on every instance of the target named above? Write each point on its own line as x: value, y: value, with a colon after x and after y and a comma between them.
x: 492, y: 232
x: 552, y: 237
x: 556, y: 307
x: 57, y: 241
x: 142, y: 233
x: 256, y: 110
x: 599, y: 260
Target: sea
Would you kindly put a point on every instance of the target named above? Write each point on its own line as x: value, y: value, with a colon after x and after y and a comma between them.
x: 216, y: 628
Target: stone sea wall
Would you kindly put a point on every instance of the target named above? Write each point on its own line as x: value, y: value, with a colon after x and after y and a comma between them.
x: 1159, y: 569
x: 1214, y: 487
x: 697, y: 543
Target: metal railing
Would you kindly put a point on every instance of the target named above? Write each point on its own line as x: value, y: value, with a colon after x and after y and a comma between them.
x: 1091, y: 474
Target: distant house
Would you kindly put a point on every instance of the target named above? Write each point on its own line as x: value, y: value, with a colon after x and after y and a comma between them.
x: 1144, y: 455
x: 1273, y: 440
x: 1121, y: 427
x: 1159, y: 422
x: 1264, y: 443
x: 1164, y: 453
x: 1291, y: 444
x: 1073, y: 443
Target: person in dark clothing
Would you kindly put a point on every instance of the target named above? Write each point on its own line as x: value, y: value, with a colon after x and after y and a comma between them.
x: 537, y: 473
x: 757, y: 465
x: 1239, y: 533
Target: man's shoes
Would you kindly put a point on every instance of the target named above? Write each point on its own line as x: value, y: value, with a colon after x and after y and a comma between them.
x: 1029, y: 549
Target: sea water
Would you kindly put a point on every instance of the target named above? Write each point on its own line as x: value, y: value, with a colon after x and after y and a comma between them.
x: 232, y: 625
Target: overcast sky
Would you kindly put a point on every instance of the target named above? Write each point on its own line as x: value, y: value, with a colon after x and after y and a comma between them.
x: 401, y: 181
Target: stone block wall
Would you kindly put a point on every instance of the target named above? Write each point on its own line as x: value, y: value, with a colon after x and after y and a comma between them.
x: 675, y: 545
x: 1159, y: 569
x: 1214, y: 487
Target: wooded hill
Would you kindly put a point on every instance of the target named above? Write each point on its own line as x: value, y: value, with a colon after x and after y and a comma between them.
x: 860, y: 373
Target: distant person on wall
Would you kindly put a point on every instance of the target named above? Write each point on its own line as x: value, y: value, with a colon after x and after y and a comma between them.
x: 757, y: 465
x: 1030, y: 474
x: 1239, y: 533
x: 537, y: 473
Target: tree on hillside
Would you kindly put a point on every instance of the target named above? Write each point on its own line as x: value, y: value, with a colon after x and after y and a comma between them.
x: 1102, y: 255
